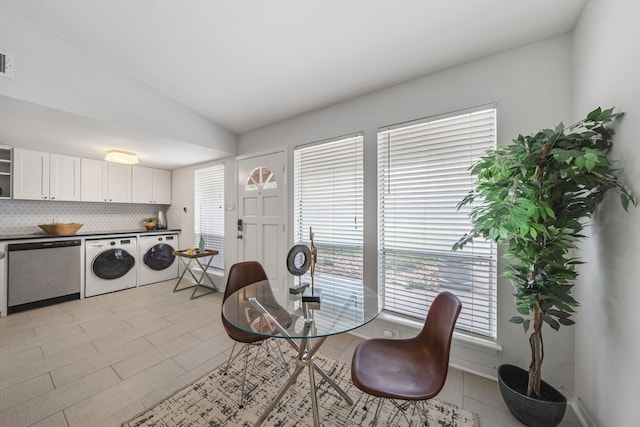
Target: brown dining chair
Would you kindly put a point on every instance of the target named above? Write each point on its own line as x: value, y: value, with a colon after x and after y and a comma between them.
x: 412, y: 370
x: 241, y: 275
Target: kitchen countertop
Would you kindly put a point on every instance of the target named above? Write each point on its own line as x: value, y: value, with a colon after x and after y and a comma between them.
x: 85, y: 235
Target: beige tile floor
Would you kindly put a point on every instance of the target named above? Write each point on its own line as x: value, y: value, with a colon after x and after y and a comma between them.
x: 99, y: 361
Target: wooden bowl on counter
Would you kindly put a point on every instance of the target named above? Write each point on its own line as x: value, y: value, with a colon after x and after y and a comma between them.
x: 60, y: 229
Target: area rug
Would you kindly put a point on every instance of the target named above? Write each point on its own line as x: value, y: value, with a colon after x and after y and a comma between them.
x: 213, y: 401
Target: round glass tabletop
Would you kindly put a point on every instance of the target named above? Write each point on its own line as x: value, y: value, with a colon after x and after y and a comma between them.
x: 273, y: 308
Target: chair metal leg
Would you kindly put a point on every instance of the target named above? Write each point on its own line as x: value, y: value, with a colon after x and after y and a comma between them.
x: 285, y: 365
x: 244, y: 374
x: 424, y: 412
x: 275, y: 342
x: 244, y: 350
x: 231, y: 357
x: 406, y: 410
x: 377, y: 414
x: 365, y: 407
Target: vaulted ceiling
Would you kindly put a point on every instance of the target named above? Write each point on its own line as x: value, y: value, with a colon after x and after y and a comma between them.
x: 248, y: 63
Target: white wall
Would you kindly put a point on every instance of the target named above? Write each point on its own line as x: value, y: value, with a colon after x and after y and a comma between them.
x: 54, y: 74
x: 606, y: 63
x: 531, y: 87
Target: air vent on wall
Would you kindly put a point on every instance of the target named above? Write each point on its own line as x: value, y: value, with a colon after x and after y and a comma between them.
x: 6, y: 65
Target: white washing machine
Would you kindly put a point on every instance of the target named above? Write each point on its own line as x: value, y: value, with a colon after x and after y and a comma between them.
x: 110, y: 265
x: 156, y: 260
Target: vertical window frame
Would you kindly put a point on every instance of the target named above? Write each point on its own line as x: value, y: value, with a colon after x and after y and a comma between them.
x: 430, y: 202
x: 209, y: 212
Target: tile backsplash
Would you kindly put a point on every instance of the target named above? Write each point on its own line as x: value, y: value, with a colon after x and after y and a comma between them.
x: 21, y: 217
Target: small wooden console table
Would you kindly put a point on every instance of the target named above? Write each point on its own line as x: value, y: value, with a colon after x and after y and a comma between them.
x: 189, y: 257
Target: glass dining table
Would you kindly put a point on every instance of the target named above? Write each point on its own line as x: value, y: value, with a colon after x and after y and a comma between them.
x: 277, y: 308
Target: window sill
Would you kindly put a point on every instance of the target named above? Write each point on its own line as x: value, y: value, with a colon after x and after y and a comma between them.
x: 476, y: 342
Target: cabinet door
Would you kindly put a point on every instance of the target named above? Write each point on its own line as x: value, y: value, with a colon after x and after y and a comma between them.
x: 31, y: 174
x: 93, y: 180
x: 64, y: 177
x: 141, y: 184
x: 119, y: 183
x: 162, y: 186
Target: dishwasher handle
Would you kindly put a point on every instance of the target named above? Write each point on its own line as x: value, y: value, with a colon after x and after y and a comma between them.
x: 43, y: 245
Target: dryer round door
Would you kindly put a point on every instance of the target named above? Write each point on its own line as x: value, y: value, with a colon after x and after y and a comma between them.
x: 159, y: 257
x: 112, y: 264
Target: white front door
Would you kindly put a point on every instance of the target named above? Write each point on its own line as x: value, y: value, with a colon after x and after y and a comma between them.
x: 262, y: 211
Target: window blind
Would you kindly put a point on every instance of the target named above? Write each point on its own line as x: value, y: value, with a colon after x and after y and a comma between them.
x: 209, y: 210
x: 328, y: 196
x: 423, y: 172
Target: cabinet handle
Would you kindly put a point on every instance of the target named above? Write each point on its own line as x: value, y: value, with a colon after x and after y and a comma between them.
x: 44, y: 197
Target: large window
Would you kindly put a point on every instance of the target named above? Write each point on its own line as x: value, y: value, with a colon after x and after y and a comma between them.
x: 423, y: 172
x: 328, y: 197
x: 209, y: 210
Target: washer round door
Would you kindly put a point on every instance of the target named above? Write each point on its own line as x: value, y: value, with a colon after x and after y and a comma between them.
x: 159, y: 257
x: 112, y: 264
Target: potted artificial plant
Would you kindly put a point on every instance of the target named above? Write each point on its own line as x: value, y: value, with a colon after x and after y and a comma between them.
x: 533, y: 197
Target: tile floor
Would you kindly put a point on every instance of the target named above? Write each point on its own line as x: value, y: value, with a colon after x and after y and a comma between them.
x: 100, y: 361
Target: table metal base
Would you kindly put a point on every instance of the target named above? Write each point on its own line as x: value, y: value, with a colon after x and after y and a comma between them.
x: 305, y: 360
x: 187, y: 267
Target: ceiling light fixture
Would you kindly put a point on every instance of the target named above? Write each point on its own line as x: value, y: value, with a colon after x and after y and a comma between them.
x: 118, y: 156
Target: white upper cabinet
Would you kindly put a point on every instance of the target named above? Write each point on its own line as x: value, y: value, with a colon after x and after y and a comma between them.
x: 119, y: 183
x: 150, y: 185
x: 105, y: 182
x: 64, y: 177
x: 162, y: 186
x: 92, y: 176
x: 30, y: 174
x: 45, y: 176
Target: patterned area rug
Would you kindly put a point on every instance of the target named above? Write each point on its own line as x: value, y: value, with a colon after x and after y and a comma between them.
x: 213, y: 401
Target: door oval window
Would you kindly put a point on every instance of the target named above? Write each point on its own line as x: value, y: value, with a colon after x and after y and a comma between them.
x: 159, y: 257
x: 112, y: 264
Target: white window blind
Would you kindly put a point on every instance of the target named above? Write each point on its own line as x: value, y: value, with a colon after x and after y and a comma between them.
x: 328, y: 196
x: 209, y: 210
x: 423, y: 172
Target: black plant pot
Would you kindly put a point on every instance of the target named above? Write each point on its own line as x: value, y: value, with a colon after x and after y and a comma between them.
x: 545, y: 412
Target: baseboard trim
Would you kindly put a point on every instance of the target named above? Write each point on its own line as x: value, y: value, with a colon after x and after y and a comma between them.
x: 581, y: 412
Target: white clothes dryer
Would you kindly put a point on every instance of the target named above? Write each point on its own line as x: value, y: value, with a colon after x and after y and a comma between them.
x: 157, y: 262
x: 110, y: 265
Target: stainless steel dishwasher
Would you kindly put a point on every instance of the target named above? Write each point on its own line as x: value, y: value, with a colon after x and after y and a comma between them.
x: 42, y: 273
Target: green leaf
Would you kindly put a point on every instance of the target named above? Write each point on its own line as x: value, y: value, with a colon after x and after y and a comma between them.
x: 625, y: 201
x: 589, y: 164
x: 566, y: 322
x: 594, y: 115
x: 551, y: 322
